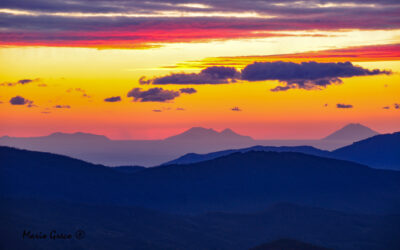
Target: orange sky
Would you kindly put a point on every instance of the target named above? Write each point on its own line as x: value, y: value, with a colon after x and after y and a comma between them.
x: 69, y: 80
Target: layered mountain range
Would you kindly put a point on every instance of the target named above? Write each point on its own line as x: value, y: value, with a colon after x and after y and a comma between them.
x: 237, y: 201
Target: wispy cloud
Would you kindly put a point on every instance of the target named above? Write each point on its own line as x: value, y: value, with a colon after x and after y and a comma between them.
x: 19, y: 82
x: 145, y: 24
x: 344, y: 106
x: 79, y: 90
x: 210, y: 75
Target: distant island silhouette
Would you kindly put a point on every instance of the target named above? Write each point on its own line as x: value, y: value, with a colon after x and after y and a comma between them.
x: 102, y: 150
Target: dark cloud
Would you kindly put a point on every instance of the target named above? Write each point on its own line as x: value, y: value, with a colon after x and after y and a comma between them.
x: 113, y: 99
x: 344, y: 106
x: 236, y: 109
x: 301, y: 12
x: 396, y: 106
x: 44, y: 27
x: 305, y: 75
x: 62, y: 106
x: 154, y: 6
x: 210, y: 75
x: 188, y: 90
x: 153, y: 95
x: 19, y: 100
x: 386, y: 107
x: 25, y: 81
x: 19, y: 82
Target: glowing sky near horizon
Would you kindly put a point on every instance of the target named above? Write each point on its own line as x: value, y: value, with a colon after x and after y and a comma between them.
x: 64, y: 58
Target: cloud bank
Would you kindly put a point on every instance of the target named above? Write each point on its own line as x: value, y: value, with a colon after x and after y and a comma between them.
x: 305, y: 75
x: 19, y: 82
x: 141, y: 24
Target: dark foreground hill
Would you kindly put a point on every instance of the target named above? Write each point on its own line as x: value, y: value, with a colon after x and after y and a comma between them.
x: 112, y: 227
x: 240, y: 182
x: 288, y: 244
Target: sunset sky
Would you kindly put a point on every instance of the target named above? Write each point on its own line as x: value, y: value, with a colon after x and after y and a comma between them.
x: 150, y: 69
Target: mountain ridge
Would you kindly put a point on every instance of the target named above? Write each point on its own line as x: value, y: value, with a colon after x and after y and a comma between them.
x: 380, y: 152
x: 351, y: 131
x: 240, y: 182
x: 200, y: 133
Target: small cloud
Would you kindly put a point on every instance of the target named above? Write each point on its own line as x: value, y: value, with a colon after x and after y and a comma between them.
x: 396, y: 106
x: 386, y: 107
x: 209, y: 75
x: 188, y: 90
x: 19, y: 82
x: 153, y: 95
x: 62, y: 107
x: 45, y: 112
x: 18, y: 100
x: 236, y: 109
x: 42, y: 85
x: 25, y: 81
x: 326, y: 105
x: 113, y: 99
x: 157, y: 110
x: 180, y: 109
x: 344, y: 106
